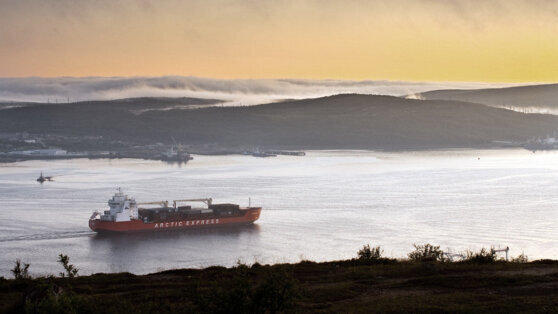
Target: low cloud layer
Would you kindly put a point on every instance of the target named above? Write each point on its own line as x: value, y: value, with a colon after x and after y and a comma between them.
x: 235, y: 92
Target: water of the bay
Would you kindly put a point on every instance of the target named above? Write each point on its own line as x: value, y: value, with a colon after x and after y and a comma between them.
x: 322, y: 206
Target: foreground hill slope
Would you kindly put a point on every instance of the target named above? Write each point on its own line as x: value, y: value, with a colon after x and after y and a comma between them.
x: 545, y: 96
x: 341, y: 121
x: 386, y: 286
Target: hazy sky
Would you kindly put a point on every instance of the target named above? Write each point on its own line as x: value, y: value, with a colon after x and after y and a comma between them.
x: 435, y: 40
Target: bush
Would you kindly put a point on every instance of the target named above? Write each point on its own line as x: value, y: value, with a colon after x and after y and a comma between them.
x: 20, y: 272
x: 522, y: 258
x: 277, y: 291
x: 50, y: 298
x: 426, y: 252
x: 234, y: 299
x: 71, y: 270
x: 370, y: 254
x: 484, y: 256
x: 240, y: 265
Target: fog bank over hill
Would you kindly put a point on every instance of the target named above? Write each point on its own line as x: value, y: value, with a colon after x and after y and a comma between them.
x: 232, y: 92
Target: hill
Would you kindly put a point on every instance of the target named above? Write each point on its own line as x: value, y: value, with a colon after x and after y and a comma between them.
x: 348, y: 121
x: 543, y: 96
x: 385, y: 286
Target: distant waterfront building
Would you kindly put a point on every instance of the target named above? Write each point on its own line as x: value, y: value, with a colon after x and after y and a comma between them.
x: 549, y: 140
x: 40, y: 152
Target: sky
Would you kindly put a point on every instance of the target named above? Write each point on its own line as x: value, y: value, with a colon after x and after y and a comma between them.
x: 409, y: 40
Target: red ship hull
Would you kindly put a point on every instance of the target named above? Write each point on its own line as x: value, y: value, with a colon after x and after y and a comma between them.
x: 251, y: 214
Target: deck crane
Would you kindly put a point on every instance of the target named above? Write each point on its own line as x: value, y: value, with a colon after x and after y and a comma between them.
x: 203, y: 200
x: 161, y: 203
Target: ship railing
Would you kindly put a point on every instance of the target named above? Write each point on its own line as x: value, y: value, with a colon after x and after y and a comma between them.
x: 94, y: 215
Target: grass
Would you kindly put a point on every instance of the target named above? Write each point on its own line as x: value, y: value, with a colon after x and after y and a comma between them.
x: 338, y: 286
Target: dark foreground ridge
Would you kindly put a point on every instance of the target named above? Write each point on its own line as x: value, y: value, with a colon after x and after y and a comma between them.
x: 365, y: 286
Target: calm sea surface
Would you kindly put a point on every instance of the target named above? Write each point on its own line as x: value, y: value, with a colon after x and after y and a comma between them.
x: 323, y: 206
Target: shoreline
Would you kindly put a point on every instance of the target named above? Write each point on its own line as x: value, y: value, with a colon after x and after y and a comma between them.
x: 10, y: 158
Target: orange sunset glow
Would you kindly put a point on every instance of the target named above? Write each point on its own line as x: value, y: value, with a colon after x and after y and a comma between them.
x: 460, y: 40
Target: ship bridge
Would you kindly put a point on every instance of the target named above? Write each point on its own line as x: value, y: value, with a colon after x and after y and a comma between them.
x: 121, y: 208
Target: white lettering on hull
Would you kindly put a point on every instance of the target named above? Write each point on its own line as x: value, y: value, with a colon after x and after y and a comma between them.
x: 186, y: 223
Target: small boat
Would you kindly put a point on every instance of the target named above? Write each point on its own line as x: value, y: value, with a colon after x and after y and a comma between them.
x: 42, y: 178
x: 176, y: 155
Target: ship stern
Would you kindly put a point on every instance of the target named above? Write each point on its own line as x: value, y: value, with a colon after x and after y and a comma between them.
x: 93, y: 224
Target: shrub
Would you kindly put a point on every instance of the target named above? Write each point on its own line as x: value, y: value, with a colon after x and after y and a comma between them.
x: 484, y: 256
x: 426, y: 252
x: 522, y: 258
x: 50, y: 298
x: 241, y: 265
x: 276, y: 293
x: 370, y: 254
x: 234, y: 299
x: 71, y: 270
x: 20, y: 272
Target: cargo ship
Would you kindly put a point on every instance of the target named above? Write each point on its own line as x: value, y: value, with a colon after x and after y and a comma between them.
x: 126, y: 215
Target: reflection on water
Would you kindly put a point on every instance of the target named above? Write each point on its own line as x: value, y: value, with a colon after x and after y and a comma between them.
x: 130, y: 251
x: 322, y: 206
x: 178, y: 164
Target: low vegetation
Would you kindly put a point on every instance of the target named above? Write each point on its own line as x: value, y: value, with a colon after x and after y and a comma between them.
x: 20, y: 272
x: 426, y: 252
x: 483, y: 256
x: 481, y: 282
x: 70, y: 270
x: 370, y: 254
x: 521, y: 258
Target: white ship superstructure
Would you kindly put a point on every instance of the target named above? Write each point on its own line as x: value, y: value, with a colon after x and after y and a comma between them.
x: 122, y: 208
